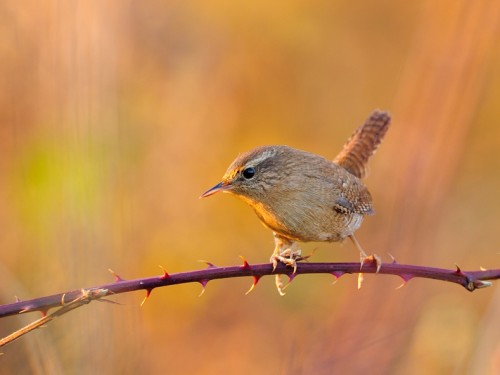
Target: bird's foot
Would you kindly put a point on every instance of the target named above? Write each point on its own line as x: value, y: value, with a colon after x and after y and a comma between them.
x: 279, y: 285
x: 287, y: 252
x: 288, y: 257
x: 374, y: 258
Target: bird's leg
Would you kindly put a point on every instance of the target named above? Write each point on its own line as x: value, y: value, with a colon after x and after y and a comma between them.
x: 374, y: 258
x: 286, y: 252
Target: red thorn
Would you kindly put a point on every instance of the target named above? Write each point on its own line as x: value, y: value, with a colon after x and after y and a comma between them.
x: 406, y: 277
x: 254, y: 284
x: 337, y: 274
x: 459, y: 271
x: 203, y: 283
x: 210, y: 265
x: 44, y: 312
x: 393, y: 259
x: 245, y: 265
x: 148, y: 293
x: 117, y: 277
x: 165, y: 273
x: 256, y: 279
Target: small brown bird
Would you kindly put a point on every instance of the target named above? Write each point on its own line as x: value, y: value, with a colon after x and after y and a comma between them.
x: 304, y: 197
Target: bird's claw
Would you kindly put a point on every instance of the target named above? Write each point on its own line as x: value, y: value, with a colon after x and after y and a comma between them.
x: 279, y: 285
x: 288, y: 253
x: 289, y: 258
x: 374, y: 258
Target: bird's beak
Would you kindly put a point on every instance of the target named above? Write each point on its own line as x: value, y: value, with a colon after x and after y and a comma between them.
x: 221, y: 186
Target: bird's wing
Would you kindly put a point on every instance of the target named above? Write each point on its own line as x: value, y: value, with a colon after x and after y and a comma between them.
x: 361, y: 203
x: 363, y: 143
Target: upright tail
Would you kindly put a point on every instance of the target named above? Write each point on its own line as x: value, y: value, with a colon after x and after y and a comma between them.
x: 363, y: 143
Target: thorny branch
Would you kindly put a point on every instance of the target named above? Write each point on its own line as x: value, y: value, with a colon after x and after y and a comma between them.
x: 85, y: 298
x: 470, y: 280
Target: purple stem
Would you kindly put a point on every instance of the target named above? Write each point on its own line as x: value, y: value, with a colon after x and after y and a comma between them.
x: 470, y: 280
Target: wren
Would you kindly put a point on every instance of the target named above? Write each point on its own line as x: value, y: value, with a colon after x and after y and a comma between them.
x: 305, y: 197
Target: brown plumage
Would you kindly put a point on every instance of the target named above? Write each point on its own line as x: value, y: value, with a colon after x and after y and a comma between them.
x: 363, y: 143
x: 304, y: 197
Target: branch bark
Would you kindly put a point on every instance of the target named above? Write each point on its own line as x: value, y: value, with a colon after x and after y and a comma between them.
x: 470, y: 280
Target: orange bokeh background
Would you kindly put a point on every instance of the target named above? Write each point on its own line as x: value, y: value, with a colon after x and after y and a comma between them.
x: 116, y: 115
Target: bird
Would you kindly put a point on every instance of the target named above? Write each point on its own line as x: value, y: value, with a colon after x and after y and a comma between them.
x: 304, y: 197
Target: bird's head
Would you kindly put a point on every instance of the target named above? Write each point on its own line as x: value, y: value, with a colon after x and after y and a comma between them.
x: 252, y: 173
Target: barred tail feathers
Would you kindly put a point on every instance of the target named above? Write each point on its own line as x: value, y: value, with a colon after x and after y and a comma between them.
x: 363, y: 143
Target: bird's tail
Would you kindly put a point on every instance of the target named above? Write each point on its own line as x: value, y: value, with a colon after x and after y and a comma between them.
x: 363, y: 143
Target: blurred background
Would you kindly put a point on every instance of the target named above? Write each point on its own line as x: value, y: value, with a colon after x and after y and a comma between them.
x: 116, y: 115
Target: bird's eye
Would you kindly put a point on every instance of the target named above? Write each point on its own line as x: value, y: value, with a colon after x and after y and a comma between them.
x: 248, y: 173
